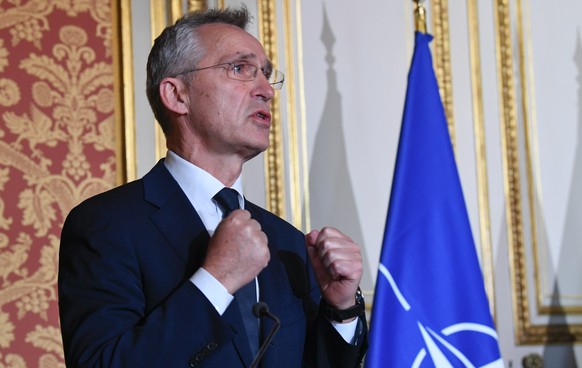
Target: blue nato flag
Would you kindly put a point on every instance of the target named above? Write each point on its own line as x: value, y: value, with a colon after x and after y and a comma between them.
x: 430, y: 306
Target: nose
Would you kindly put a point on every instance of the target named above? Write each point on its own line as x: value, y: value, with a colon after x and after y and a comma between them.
x: 263, y: 88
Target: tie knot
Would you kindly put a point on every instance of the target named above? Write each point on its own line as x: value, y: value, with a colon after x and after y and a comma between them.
x: 227, y: 198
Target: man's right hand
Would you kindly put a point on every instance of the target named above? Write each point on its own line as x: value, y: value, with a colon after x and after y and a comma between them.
x: 238, y: 251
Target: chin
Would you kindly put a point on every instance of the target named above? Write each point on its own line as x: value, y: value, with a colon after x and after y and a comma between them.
x: 255, y: 151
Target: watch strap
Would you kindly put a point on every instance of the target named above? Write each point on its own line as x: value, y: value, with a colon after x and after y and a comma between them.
x: 340, y: 315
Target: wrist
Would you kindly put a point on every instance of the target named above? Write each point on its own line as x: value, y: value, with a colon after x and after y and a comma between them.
x: 344, y: 315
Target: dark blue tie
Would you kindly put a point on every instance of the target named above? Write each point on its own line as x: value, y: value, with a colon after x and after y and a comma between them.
x: 246, y: 296
x: 227, y: 199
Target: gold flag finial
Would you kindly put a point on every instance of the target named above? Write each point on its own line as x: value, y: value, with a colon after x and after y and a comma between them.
x: 420, y: 16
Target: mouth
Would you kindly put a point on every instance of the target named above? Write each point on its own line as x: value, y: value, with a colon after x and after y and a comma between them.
x: 263, y: 115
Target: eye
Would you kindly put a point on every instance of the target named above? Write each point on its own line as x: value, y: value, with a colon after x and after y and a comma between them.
x: 236, y: 68
x: 267, y: 71
x: 243, y: 70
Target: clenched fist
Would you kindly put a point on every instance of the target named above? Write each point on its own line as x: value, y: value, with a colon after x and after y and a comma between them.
x: 337, y: 264
x: 237, y: 251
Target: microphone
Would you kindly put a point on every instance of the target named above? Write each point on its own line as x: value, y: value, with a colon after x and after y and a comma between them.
x: 261, y: 309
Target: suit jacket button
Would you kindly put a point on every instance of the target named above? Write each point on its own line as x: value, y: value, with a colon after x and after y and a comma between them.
x: 211, y: 346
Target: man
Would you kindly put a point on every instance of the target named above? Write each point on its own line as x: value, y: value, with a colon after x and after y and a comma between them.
x: 163, y: 271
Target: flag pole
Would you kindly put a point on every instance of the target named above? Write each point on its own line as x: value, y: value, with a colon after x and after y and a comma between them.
x: 420, y: 16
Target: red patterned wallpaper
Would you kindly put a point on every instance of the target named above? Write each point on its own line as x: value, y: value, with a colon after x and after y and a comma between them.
x: 57, y: 147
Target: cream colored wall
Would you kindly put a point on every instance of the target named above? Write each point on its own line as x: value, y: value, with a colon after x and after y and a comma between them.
x: 354, y: 61
x: 371, y: 52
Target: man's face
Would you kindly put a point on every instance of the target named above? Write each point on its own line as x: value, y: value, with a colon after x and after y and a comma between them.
x: 230, y: 117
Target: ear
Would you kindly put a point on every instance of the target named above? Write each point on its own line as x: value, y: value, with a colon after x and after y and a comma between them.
x: 174, y: 96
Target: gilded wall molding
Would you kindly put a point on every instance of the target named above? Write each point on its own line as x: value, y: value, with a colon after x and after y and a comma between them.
x: 442, y: 59
x: 443, y: 71
x: 274, y: 162
x: 295, y: 121
x: 291, y: 120
x: 303, y: 183
x: 124, y: 105
x: 480, y: 153
x: 526, y: 331
x: 511, y: 170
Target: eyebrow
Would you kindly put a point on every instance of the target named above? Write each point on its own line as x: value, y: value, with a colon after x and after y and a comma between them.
x: 246, y: 57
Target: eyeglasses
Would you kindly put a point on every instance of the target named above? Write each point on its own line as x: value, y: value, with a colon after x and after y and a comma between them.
x: 246, y: 72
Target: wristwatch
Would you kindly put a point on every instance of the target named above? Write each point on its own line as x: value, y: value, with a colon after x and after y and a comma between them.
x: 340, y: 315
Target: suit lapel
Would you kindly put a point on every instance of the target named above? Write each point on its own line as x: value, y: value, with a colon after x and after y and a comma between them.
x: 176, y: 219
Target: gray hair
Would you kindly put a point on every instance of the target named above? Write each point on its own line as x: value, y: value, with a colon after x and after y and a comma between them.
x: 179, y: 48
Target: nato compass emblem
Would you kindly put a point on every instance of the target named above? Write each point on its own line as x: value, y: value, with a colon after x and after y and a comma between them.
x: 437, y: 343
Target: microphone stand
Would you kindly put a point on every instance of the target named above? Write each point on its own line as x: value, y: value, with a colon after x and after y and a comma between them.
x: 261, y: 309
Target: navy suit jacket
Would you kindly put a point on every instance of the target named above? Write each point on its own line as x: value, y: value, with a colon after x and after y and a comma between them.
x: 125, y: 297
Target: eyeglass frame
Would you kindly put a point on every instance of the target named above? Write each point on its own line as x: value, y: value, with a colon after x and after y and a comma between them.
x: 277, y: 85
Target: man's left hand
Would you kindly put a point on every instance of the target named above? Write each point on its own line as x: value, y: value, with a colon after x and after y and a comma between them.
x: 337, y: 263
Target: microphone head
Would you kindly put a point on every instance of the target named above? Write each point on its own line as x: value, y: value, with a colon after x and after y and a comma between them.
x: 260, y: 309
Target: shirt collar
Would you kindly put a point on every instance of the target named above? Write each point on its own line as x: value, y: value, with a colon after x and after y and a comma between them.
x: 199, y: 185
